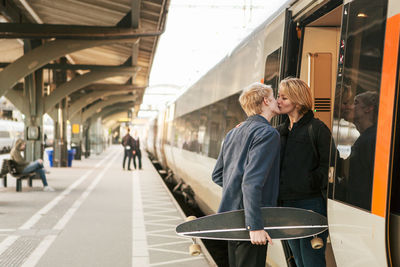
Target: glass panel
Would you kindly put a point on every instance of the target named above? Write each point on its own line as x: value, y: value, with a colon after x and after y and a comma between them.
x: 272, y: 66
x: 234, y: 114
x: 217, y: 126
x: 271, y: 77
x: 357, y: 100
x: 202, y: 131
x: 4, y: 134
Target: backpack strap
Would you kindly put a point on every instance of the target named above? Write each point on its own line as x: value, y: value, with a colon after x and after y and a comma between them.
x: 313, y: 140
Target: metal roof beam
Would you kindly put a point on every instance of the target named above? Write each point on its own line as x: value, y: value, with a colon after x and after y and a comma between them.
x: 73, y: 66
x: 110, y: 101
x: 112, y: 109
x: 90, y: 98
x: 81, y: 81
x: 113, y: 87
x: 11, y: 12
x: 77, y: 32
x: 81, y: 67
x: 40, y: 56
x: 135, y: 14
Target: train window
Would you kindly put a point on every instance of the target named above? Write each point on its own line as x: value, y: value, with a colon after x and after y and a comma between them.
x: 203, y: 130
x: 191, y: 125
x: 271, y: 77
x: 272, y: 66
x: 357, y: 100
x: 4, y: 134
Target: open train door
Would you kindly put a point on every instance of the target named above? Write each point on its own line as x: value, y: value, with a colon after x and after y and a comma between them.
x: 363, y: 117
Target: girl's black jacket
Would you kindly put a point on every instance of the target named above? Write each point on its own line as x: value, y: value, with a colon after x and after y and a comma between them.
x: 303, y: 173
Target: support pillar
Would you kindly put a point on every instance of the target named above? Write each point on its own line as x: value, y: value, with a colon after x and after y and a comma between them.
x: 60, y: 156
x: 33, y: 91
x: 86, y: 138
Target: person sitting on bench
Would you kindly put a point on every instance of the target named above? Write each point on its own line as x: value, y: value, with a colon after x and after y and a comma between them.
x: 25, y: 167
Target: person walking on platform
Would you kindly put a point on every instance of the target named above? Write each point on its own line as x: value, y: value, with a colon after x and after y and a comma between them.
x: 137, y: 153
x: 25, y: 167
x: 250, y: 179
x: 128, y: 144
x: 305, y: 149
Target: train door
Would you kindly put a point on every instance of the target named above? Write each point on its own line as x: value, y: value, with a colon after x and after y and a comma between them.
x: 320, y: 45
x: 362, y: 116
x: 317, y: 65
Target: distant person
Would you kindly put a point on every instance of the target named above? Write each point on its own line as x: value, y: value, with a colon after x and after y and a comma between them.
x: 247, y: 169
x: 128, y: 144
x: 25, y: 167
x: 136, y: 152
x: 305, y: 150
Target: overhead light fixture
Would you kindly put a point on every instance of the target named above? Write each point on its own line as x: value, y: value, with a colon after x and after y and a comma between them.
x: 362, y: 15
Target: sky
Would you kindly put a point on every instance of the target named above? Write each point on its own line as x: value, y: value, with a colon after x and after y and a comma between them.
x: 198, y: 35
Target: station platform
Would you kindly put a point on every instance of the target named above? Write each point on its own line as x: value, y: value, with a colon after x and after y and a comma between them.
x: 99, y: 215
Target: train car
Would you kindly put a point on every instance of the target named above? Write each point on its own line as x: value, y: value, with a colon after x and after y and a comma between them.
x: 348, y: 53
x: 10, y: 131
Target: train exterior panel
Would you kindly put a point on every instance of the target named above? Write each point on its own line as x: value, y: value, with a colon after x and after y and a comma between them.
x: 243, y: 66
x: 357, y: 240
x: 225, y: 80
x: 347, y: 51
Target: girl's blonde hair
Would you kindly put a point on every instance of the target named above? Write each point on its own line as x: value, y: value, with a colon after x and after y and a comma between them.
x: 298, y: 93
x: 253, y: 96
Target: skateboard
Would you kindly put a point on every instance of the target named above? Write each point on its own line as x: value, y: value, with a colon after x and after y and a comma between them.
x: 281, y: 223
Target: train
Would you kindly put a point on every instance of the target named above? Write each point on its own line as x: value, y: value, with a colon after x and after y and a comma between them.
x: 11, y: 130
x: 348, y: 53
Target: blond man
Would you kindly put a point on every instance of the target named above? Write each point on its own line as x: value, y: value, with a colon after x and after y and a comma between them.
x: 248, y: 171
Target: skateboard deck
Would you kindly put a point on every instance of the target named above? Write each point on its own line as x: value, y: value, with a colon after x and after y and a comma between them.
x: 280, y: 223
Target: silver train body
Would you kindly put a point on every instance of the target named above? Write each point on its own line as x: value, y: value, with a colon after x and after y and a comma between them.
x: 10, y: 131
x: 307, y: 39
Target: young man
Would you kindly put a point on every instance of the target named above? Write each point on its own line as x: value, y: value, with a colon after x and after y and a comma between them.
x: 129, y: 145
x: 248, y: 171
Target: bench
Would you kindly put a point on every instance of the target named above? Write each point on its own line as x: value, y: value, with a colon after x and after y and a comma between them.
x: 9, y: 166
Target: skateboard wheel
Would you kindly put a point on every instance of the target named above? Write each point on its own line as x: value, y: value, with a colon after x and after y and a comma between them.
x: 191, y: 218
x: 317, y: 243
x: 194, y: 249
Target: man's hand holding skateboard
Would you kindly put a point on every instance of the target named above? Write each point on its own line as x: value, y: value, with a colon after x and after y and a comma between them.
x: 260, y: 237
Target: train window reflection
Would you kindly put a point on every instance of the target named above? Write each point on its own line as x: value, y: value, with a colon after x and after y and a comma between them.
x: 357, y: 100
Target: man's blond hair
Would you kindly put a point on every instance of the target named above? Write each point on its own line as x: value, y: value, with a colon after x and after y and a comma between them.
x: 252, y: 97
x: 298, y: 93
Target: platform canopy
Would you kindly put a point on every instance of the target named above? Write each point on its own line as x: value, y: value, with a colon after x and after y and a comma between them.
x: 105, y: 47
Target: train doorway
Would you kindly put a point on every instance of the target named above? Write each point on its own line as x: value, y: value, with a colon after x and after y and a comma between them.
x: 317, y: 66
x: 319, y: 61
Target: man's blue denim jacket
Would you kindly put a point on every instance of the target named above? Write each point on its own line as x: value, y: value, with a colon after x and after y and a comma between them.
x: 248, y: 170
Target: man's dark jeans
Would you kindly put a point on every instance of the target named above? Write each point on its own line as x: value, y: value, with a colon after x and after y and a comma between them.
x: 245, y: 254
x: 127, y: 153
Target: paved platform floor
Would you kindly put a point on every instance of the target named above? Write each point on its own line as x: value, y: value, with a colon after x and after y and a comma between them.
x: 99, y: 215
